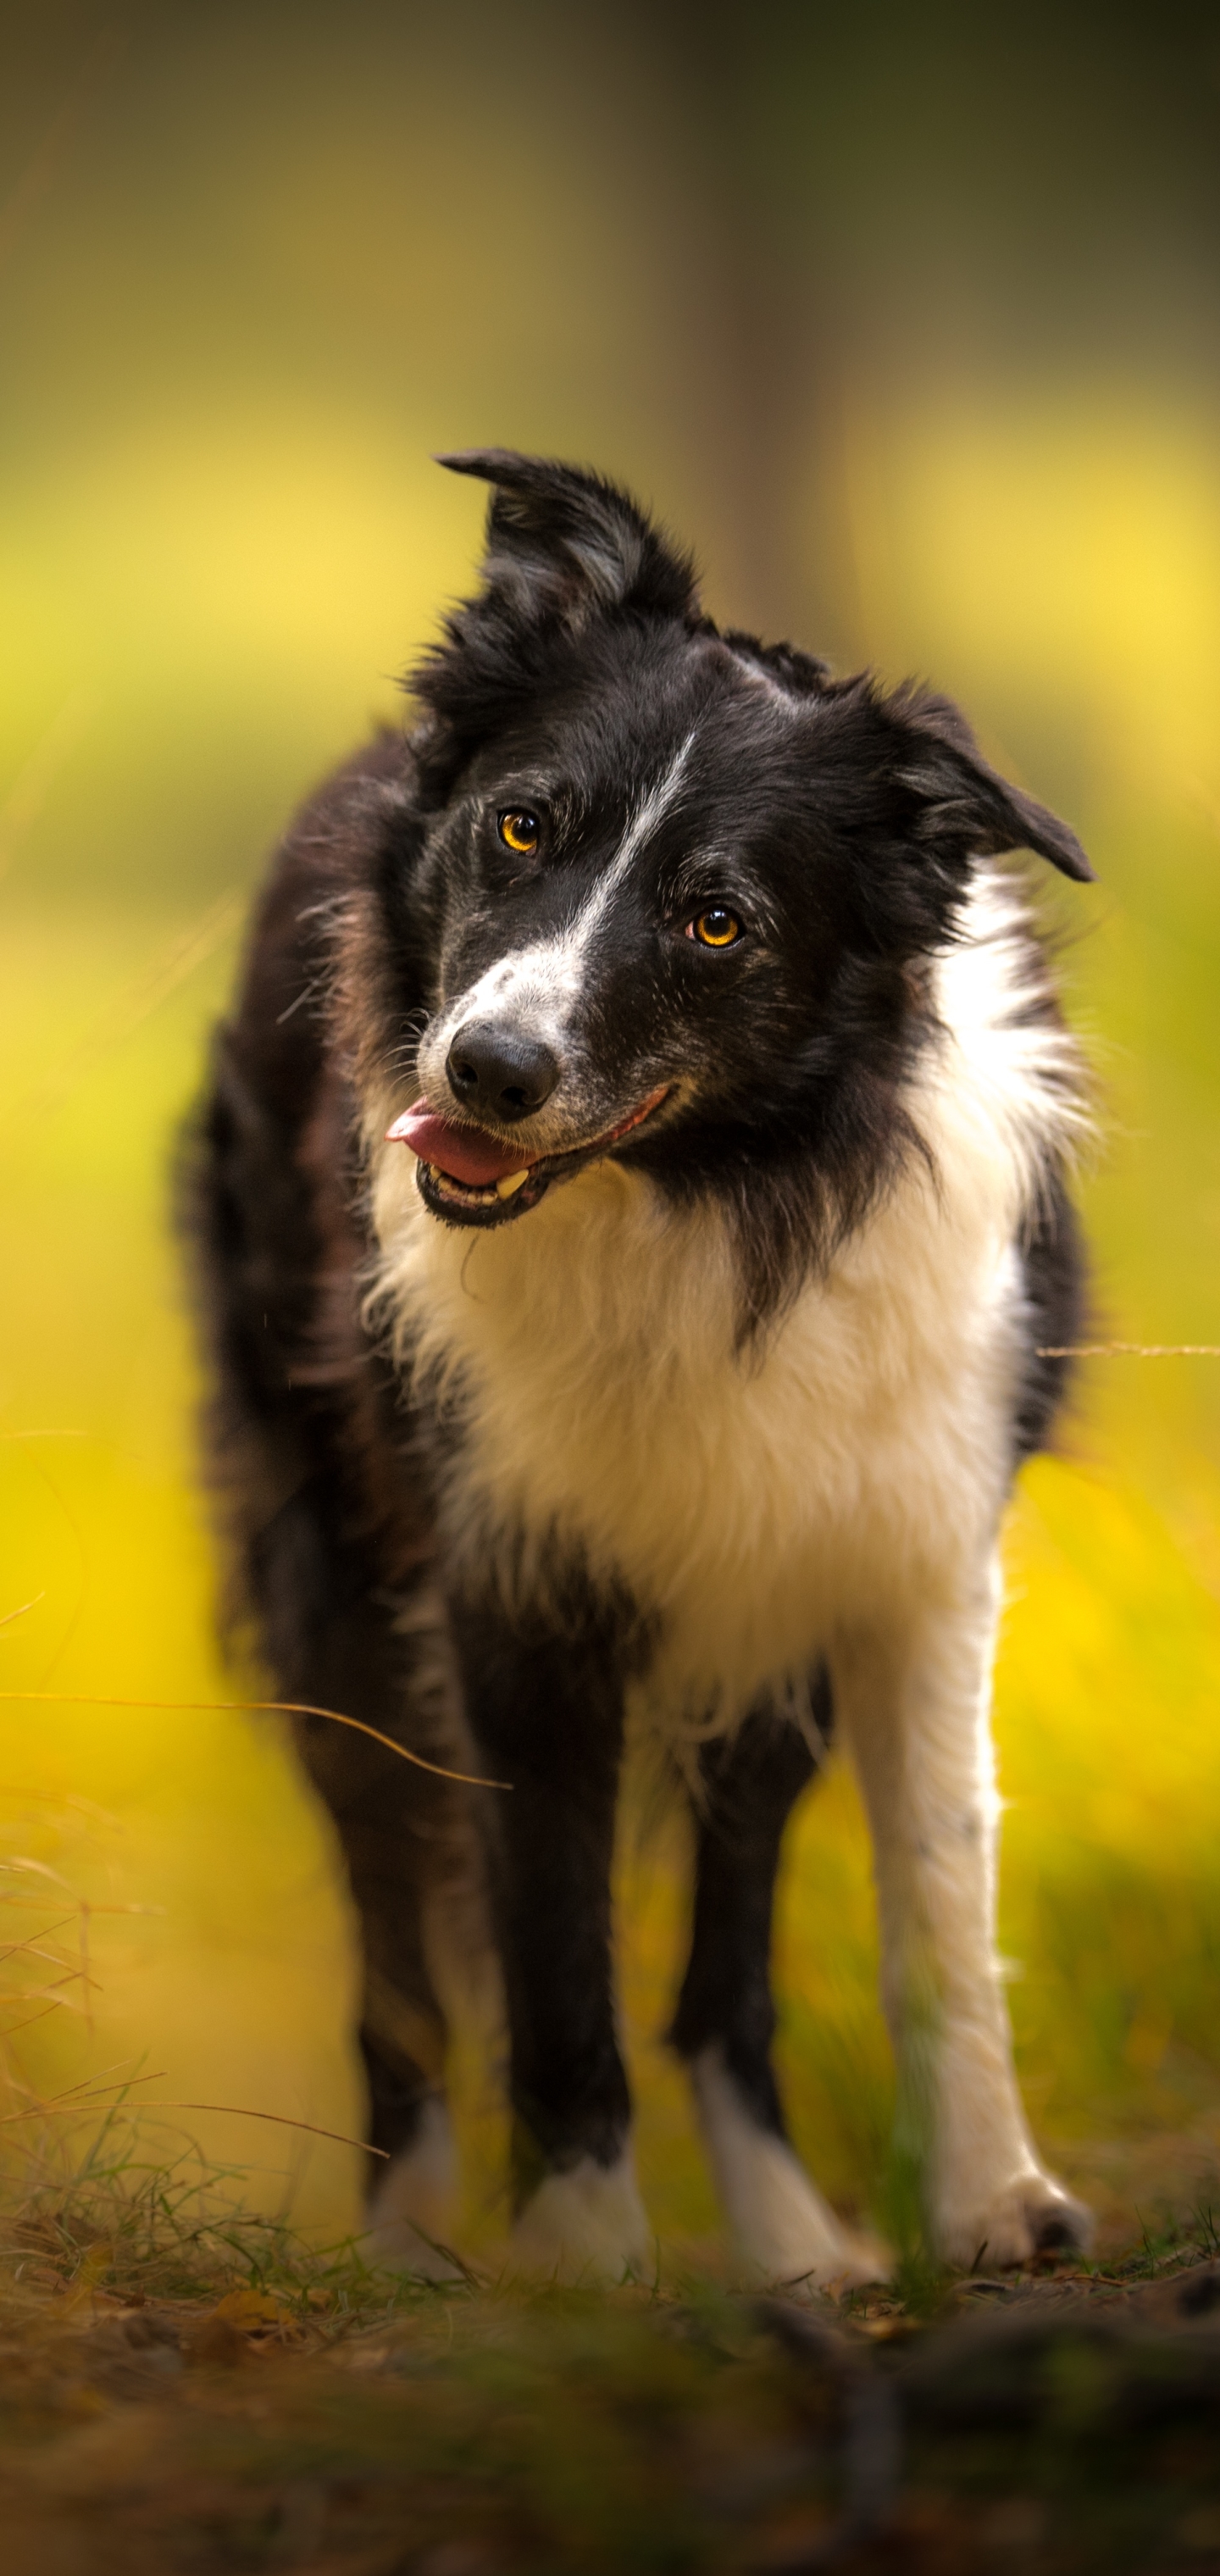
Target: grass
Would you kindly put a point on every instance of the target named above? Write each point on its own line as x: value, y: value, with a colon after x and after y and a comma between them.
x: 185, y: 2383
x: 175, y: 2340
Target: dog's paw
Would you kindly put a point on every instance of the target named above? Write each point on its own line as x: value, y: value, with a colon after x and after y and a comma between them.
x: 588, y: 2224
x: 785, y: 2232
x: 411, y: 2207
x: 1032, y: 2215
x: 396, y: 2246
x: 789, y: 2236
x: 854, y: 2260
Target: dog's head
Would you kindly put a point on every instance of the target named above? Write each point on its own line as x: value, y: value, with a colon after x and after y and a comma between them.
x: 678, y: 886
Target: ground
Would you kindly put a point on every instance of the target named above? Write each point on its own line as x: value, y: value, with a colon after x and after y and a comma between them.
x: 189, y: 2391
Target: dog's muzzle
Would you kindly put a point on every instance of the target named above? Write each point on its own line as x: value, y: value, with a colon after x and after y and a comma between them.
x: 468, y: 1177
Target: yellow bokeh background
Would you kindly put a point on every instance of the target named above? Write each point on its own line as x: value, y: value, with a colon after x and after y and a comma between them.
x: 256, y: 267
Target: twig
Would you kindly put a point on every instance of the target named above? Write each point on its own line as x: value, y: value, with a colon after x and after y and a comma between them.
x: 871, y: 2451
x: 27, y: 796
x: 1130, y: 1351
x: 259, y: 1707
x: 232, y: 2110
x: 7, y: 1620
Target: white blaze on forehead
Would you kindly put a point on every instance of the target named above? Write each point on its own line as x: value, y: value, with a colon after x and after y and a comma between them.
x: 648, y: 813
x: 545, y: 978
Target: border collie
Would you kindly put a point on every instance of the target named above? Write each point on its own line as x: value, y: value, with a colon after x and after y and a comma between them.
x: 630, y: 1214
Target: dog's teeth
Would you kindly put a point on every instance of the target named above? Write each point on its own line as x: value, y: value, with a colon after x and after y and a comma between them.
x: 510, y: 1182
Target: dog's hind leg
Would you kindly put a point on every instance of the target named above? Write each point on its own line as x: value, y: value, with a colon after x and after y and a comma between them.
x: 544, y: 1701
x: 398, y: 1830
x: 328, y: 1531
x: 387, y: 1830
x: 725, y: 2019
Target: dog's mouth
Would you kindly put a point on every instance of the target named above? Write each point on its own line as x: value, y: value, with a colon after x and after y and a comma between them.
x: 470, y: 1178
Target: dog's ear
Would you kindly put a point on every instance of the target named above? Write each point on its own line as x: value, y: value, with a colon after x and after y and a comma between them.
x: 962, y: 807
x: 565, y: 552
x: 561, y: 542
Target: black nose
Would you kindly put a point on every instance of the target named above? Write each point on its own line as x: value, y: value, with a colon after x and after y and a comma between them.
x: 500, y: 1071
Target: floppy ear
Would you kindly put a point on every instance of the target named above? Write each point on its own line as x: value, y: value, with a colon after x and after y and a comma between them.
x: 963, y: 806
x: 565, y: 542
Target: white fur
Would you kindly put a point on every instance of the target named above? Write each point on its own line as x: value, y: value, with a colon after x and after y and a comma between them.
x: 586, y: 2224
x: 411, y: 2209
x: 839, y: 1494
x: 783, y: 2227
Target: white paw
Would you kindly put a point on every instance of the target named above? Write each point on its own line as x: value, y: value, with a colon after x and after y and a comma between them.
x: 784, y: 2229
x: 1031, y: 2214
x: 791, y: 2236
x: 411, y: 2209
x: 588, y: 2224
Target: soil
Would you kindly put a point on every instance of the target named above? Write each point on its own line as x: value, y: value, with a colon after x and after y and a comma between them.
x: 333, y: 2422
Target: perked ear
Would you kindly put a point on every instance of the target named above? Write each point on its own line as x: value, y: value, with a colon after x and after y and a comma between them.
x: 962, y: 803
x: 563, y: 543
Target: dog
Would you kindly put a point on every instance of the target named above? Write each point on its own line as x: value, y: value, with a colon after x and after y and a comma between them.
x: 633, y: 1239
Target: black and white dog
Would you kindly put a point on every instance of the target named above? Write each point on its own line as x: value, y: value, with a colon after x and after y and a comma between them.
x: 630, y: 1209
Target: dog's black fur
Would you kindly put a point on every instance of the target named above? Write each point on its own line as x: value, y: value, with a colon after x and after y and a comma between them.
x: 840, y: 825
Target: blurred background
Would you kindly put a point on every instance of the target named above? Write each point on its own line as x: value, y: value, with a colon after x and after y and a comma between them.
x: 910, y: 321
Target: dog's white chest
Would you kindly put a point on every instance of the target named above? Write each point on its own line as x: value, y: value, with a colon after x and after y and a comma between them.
x: 748, y: 1503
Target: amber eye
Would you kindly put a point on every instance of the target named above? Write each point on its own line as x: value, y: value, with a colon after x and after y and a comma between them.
x: 519, y: 831
x: 715, y: 928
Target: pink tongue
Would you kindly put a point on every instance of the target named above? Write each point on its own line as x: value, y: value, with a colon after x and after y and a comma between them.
x: 461, y: 1151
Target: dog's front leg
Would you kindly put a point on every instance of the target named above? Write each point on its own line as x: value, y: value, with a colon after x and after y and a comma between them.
x: 916, y: 1701
x: 544, y: 1699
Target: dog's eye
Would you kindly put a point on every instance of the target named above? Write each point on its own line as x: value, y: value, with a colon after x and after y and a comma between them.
x: 715, y: 928
x: 519, y: 831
